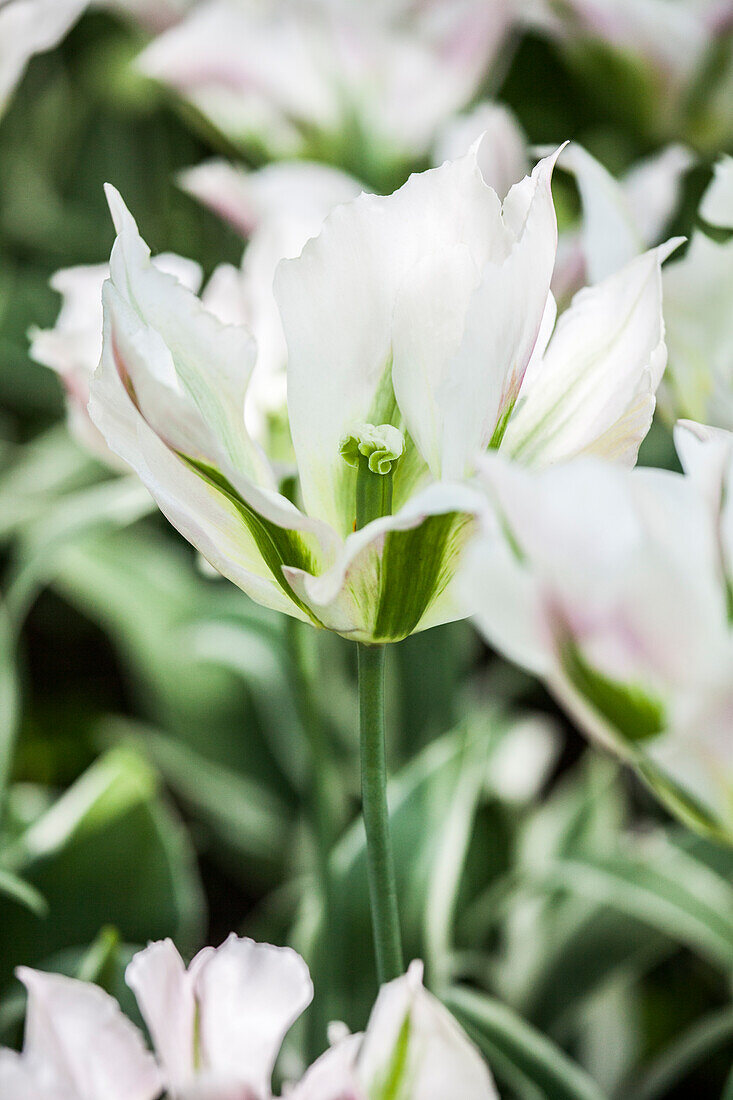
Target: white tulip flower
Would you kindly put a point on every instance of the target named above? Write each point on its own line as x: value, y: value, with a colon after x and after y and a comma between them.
x: 277, y: 208
x: 411, y: 321
x: 218, y: 1025
x: 334, y: 78
x: 412, y: 1049
x: 662, y: 53
x: 615, y: 588
x: 30, y: 27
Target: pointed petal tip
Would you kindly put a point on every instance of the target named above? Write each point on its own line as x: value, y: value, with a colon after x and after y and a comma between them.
x: 664, y: 251
x: 121, y: 216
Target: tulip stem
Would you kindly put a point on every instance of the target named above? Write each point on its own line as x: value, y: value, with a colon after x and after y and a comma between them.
x: 380, y: 862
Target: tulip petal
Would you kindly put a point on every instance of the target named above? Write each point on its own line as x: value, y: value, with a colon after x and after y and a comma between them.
x: 698, y: 290
x: 303, y: 192
x: 164, y: 991
x: 213, y: 515
x: 208, y: 362
x: 337, y: 302
x: 716, y: 207
x: 394, y: 575
x: 28, y: 27
x: 249, y: 996
x: 414, y: 1047
x: 594, y: 392
x: 79, y: 1032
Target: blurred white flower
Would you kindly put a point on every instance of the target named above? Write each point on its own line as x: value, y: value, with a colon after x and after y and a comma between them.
x: 278, y: 208
x: 698, y: 297
x: 620, y: 217
x: 217, y: 1028
x: 411, y: 321
x: 363, y: 85
x: 412, y: 1049
x: 28, y: 27
x: 73, y: 346
x: 78, y: 1046
x: 614, y: 587
x: 218, y: 1025
x: 504, y: 153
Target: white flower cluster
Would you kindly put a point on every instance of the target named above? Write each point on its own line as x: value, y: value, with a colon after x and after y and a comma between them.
x: 217, y: 1027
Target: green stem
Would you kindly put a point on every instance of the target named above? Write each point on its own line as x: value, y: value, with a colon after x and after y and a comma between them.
x: 380, y: 863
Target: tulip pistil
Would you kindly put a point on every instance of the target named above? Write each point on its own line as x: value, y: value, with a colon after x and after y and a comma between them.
x: 373, y: 450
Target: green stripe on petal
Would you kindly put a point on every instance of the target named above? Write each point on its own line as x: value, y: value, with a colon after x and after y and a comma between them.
x: 278, y: 545
x: 416, y: 566
x: 394, y: 1084
x: 629, y: 709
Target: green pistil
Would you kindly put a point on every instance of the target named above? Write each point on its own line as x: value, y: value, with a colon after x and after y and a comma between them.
x: 373, y: 450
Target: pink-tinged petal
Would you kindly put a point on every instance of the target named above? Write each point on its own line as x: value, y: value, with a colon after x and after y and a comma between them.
x: 249, y: 995
x: 669, y: 36
x: 440, y: 1060
x: 78, y: 1032
x: 21, y: 1079
x: 301, y: 191
x: 163, y: 989
x: 256, y: 73
x: 594, y: 392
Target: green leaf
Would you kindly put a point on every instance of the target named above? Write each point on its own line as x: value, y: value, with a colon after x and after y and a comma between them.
x: 109, y: 851
x: 662, y: 887
x: 682, y: 1056
x: 17, y: 890
x: 509, y: 1041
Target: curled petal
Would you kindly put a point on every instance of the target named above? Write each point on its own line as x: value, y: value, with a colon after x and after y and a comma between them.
x: 594, y: 391
x: 88, y: 1048
x: 249, y: 996
x: 394, y: 575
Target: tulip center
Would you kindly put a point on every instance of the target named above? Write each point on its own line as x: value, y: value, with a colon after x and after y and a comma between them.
x: 373, y: 450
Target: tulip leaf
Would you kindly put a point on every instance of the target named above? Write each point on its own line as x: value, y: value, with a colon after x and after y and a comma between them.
x: 517, y: 1051
x: 16, y: 889
x: 664, y: 888
x: 700, y: 1041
